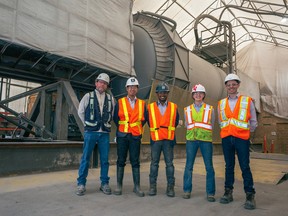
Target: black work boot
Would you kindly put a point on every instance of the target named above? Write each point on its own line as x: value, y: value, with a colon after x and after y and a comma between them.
x: 170, y: 191
x: 227, y: 197
x: 152, y: 190
x: 120, y: 174
x: 250, y: 201
x: 136, y: 179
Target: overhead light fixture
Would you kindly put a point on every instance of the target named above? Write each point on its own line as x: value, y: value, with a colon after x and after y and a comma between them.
x: 284, y: 20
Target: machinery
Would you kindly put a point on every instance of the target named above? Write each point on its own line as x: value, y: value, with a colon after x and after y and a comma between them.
x: 159, y: 55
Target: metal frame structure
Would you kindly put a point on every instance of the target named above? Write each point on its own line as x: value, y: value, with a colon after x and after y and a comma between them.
x: 38, y: 122
x: 67, y: 78
x: 23, y: 63
x: 263, y: 10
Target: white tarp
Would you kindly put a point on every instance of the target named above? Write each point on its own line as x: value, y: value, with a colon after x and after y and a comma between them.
x: 213, y: 79
x: 250, y: 87
x: 98, y: 32
x: 267, y: 64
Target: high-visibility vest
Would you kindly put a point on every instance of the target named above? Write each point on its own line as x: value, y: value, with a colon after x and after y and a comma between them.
x: 93, y: 118
x: 162, y: 127
x: 235, y: 123
x: 130, y: 120
x: 199, y: 126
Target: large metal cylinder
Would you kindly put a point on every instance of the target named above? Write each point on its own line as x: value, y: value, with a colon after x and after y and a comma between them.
x: 144, y: 60
x: 201, y: 71
x: 146, y: 52
x: 144, y: 65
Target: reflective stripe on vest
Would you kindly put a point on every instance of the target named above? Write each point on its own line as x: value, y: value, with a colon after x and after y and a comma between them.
x: 243, y: 108
x: 92, y: 107
x: 170, y: 128
x: 237, y: 123
x: 152, y: 108
x: 126, y: 122
x: 222, y: 107
x: 199, y: 125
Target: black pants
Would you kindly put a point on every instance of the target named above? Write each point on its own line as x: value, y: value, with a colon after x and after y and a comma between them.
x: 128, y: 143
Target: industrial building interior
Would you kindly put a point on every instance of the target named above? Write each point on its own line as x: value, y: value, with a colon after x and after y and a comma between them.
x: 52, y: 51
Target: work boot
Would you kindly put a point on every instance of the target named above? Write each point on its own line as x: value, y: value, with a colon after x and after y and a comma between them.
x: 152, y: 190
x: 227, y: 197
x: 80, y: 190
x: 211, y: 198
x: 170, y: 191
x: 186, y: 195
x: 136, y: 179
x: 105, y: 188
x: 120, y: 174
x: 250, y: 201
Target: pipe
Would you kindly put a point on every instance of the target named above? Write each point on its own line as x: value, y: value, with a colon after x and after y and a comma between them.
x: 162, y: 17
x: 221, y: 23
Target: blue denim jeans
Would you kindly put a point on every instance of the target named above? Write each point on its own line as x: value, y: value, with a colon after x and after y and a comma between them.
x: 207, y: 154
x: 231, y: 145
x: 131, y: 144
x: 92, y: 138
x: 167, y: 146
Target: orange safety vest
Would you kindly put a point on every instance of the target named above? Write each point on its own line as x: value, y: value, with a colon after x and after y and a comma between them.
x: 235, y: 123
x: 130, y: 120
x: 162, y: 127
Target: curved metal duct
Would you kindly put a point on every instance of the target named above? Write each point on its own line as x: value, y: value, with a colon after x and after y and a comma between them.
x: 160, y: 54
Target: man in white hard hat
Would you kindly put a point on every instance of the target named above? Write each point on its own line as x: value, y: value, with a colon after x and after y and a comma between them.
x: 129, y: 119
x: 199, y: 120
x: 237, y: 118
x: 96, y: 112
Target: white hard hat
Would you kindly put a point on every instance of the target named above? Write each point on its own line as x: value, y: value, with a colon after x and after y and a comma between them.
x: 132, y: 81
x: 198, y: 88
x: 232, y: 76
x: 104, y: 77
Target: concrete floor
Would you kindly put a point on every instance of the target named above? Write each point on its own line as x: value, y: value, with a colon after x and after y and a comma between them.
x: 49, y: 194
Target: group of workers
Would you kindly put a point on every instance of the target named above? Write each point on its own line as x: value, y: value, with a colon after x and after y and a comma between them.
x: 236, y: 116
